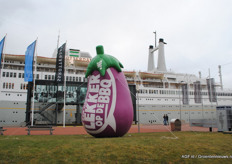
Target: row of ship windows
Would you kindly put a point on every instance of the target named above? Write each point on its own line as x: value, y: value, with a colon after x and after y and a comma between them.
x: 177, y: 106
x: 9, y: 74
x: 23, y: 86
x: 14, y: 74
x: 68, y: 78
x: 5, y: 121
x: 7, y: 61
x: 150, y: 99
x: 169, y: 92
x: 8, y: 86
x: 46, y: 77
x: 8, y: 94
x: 78, y: 79
x: 183, y: 113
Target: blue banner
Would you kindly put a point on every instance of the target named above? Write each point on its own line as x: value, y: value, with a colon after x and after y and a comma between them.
x: 29, y: 58
x: 1, y: 49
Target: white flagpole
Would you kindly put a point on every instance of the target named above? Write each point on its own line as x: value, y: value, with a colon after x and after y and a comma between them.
x: 210, y: 88
x: 3, y: 57
x: 64, y: 86
x: 58, y: 40
x: 34, y: 76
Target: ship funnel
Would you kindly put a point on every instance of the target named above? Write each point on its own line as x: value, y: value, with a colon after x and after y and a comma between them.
x: 151, y: 64
x: 161, y: 58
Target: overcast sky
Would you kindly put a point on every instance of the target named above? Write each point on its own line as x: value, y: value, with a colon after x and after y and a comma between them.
x: 197, y: 32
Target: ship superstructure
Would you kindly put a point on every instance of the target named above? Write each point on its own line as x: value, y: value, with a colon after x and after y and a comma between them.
x: 183, y: 96
x: 158, y: 92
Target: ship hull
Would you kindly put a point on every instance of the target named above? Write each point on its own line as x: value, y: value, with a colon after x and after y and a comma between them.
x: 13, y: 113
x: 153, y: 114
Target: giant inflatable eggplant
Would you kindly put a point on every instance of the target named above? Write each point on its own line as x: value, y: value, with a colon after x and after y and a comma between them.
x: 108, y: 109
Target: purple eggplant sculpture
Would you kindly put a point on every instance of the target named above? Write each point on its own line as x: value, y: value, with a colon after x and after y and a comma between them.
x: 108, y: 109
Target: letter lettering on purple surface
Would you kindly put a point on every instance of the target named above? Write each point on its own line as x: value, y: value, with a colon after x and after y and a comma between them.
x: 93, y: 98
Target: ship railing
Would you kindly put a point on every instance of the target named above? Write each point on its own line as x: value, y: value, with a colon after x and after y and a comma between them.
x: 48, y: 117
x: 43, y: 111
x: 43, y: 108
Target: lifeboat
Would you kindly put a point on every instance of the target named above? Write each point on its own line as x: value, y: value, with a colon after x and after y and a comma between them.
x: 77, y: 61
x: 83, y: 62
x: 129, y: 73
x: 46, y: 60
x: 20, y: 58
x: 145, y: 75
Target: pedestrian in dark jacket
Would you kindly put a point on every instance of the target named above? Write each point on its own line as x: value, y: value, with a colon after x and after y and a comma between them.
x: 167, y: 119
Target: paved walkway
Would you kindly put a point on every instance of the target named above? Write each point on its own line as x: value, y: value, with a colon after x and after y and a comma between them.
x: 77, y: 130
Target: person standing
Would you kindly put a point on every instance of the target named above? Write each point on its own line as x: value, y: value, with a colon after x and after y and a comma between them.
x: 167, y: 119
x: 164, y: 119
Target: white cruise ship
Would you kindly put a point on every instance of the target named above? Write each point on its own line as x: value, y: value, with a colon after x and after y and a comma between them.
x: 158, y: 91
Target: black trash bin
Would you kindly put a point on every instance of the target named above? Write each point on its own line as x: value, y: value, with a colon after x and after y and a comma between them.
x: 175, y: 125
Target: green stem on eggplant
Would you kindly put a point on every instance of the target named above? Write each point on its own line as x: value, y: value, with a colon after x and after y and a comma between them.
x: 102, y: 62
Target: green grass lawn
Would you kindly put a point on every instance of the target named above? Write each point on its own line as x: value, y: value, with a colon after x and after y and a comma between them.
x: 132, y: 148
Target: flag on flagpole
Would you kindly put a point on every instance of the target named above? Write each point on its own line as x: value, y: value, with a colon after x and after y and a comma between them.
x: 1, y: 49
x: 29, y: 58
x: 60, y: 61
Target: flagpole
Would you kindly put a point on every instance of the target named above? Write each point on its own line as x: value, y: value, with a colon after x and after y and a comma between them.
x: 35, y: 70
x: 64, y: 85
x: 57, y: 85
x: 58, y: 40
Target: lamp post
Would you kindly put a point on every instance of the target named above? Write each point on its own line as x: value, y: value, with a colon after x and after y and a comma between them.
x: 180, y: 83
x: 137, y: 92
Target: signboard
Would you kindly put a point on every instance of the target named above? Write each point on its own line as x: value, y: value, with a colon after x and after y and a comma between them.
x: 74, y: 53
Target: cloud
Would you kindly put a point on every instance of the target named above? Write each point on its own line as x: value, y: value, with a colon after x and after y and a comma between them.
x: 198, y: 32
